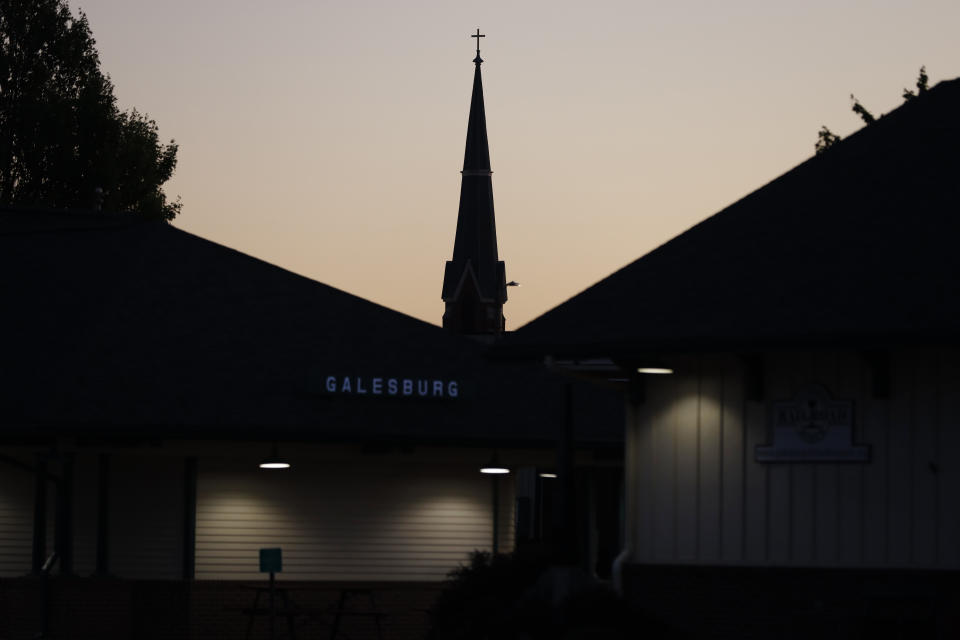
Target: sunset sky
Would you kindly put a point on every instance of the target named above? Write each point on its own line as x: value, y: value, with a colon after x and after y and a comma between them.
x: 327, y: 136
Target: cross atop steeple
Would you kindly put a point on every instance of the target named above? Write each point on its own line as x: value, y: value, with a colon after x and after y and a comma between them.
x: 478, y: 35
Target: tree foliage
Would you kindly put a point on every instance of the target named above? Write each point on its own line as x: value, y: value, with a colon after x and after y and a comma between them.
x: 861, y: 111
x: 922, y: 87
x: 826, y: 138
x: 64, y: 142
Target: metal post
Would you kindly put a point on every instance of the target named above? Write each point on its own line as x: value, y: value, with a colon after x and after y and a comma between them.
x: 64, y: 521
x: 39, y: 551
x: 103, y: 515
x: 495, y: 480
x: 273, y: 608
x: 189, y: 517
x: 568, y: 511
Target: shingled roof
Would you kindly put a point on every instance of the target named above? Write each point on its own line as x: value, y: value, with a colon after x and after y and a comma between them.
x: 858, y: 245
x: 114, y: 325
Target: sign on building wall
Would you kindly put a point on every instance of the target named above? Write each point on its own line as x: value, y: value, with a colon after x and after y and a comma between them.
x: 391, y: 386
x: 812, y: 427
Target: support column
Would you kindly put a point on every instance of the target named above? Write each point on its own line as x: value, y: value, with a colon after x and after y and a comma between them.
x: 39, y: 549
x: 189, y: 517
x: 64, y: 521
x: 103, y: 515
x: 567, y: 513
x: 495, y: 481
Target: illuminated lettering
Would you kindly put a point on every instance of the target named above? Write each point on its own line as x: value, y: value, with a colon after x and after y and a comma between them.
x: 420, y: 387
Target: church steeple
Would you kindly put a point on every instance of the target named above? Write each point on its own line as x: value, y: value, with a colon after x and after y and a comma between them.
x: 474, y: 282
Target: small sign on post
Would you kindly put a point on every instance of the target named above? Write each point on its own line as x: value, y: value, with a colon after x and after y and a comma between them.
x: 271, y: 560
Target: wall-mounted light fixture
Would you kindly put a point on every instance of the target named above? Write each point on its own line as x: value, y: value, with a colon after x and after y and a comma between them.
x: 274, y: 461
x: 548, y: 475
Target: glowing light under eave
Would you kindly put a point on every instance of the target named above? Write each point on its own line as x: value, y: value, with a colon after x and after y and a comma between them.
x: 274, y: 465
x: 658, y: 371
x: 494, y: 470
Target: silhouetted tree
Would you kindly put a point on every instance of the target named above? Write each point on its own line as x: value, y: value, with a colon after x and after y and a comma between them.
x: 63, y: 141
x: 922, y: 87
x: 861, y: 111
x: 826, y: 138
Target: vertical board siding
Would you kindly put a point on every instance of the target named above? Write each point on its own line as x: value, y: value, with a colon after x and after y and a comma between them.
x: 828, y: 506
x: 643, y: 486
x: 16, y: 521
x: 664, y: 453
x: 632, y: 495
x: 875, y: 478
x: 899, y: 487
x: 805, y: 479
x: 687, y: 455
x: 949, y: 469
x: 732, y: 462
x: 346, y: 521
x: 849, y: 477
x: 782, y: 376
x: 709, y: 457
x: 756, y: 503
x: 925, y: 460
x: 698, y: 495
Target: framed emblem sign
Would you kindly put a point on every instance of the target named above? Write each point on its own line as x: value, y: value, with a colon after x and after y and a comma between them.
x: 812, y: 427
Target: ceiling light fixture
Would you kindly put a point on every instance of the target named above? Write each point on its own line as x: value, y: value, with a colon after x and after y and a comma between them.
x: 274, y: 461
x: 655, y: 370
x: 494, y: 467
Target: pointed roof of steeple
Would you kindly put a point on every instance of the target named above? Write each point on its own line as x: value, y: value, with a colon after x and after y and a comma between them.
x: 475, y: 245
x: 476, y: 156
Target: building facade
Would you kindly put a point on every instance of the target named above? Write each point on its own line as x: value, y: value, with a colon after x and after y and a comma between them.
x: 788, y: 367
x: 149, y: 373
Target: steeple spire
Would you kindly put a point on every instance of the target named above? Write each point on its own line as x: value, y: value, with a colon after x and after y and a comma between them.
x: 474, y: 282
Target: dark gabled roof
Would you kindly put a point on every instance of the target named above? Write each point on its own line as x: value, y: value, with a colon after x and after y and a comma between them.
x: 858, y: 244
x: 112, y: 325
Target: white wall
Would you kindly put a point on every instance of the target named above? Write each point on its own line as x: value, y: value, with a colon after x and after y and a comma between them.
x: 17, y: 487
x: 339, y: 514
x: 16, y: 520
x: 355, y: 518
x: 696, y: 494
